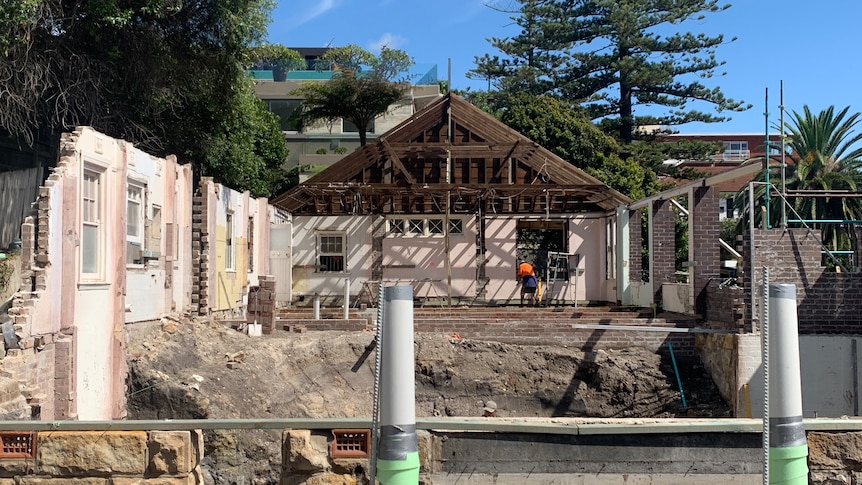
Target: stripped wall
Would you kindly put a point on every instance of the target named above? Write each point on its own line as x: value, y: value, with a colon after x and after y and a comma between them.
x: 230, y: 246
x: 112, y: 243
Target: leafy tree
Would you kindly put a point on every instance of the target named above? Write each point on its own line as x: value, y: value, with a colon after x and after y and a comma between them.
x: 363, y: 87
x: 165, y: 75
x: 566, y: 131
x: 278, y: 57
x: 611, y: 55
x: 824, y: 154
x: 247, y: 148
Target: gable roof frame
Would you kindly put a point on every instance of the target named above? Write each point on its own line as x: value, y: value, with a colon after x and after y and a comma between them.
x: 451, y: 147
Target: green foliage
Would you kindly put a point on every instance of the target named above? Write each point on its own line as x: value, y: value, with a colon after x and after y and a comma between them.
x: 390, y: 65
x: 277, y: 55
x: 824, y: 154
x: 340, y: 150
x: 626, y: 176
x: 608, y: 55
x: 353, y: 94
x: 165, y: 75
x: 321, y: 151
x: 15, y: 18
x: 247, y: 149
x: 728, y: 230
x: 566, y: 131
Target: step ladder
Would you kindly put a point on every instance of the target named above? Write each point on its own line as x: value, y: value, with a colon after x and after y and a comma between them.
x: 552, y: 270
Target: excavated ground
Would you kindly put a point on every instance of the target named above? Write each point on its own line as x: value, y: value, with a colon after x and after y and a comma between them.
x: 189, y: 367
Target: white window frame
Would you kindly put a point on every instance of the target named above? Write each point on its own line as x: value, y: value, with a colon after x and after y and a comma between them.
x: 735, y: 150
x: 428, y: 227
x: 229, y: 247
x: 416, y: 226
x: 324, y: 249
x: 436, y: 226
x: 456, y: 226
x: 92, y: 228
x: 135, y: 194
x: 396, y: 227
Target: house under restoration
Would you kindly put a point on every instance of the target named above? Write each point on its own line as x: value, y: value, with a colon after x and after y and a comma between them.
x: 449, y: 200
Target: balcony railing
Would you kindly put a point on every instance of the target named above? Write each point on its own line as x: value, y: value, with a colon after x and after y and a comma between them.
x: 732, y: 155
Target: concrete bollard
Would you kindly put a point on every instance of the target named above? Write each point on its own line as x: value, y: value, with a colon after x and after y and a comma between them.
x: 398, y: 460
x: 788, y: 448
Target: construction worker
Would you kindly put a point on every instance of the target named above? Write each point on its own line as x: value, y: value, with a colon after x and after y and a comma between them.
x: 527, y: 278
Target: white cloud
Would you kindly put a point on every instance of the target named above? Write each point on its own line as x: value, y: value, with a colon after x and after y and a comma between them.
x: 311, y: 12
x: 389, y: 40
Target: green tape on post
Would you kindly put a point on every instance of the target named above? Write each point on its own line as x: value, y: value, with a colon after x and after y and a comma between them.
x: 399, y: 472
x: 788, y: 465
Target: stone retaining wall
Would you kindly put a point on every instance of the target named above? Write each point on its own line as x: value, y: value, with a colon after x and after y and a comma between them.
x: 108, y: 458
x: 174, y: 457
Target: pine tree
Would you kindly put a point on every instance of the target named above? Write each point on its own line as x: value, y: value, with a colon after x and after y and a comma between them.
x: 614, y: 55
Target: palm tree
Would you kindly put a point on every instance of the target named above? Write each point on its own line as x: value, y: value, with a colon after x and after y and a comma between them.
x: 822, y: 155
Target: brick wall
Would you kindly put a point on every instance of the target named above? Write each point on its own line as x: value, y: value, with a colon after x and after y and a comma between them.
x: 261, y: 304
x: 664, y: 247
x: 828, y: 302
x: 201, y: 239
x: 705, y: 232
x: 725, y: 308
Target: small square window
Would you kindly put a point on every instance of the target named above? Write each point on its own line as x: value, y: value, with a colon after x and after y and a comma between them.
x: 330, y: 253
x: 416, y: 226
x: 456, y: 226
x: 396, y: 226
x: 435, y: 226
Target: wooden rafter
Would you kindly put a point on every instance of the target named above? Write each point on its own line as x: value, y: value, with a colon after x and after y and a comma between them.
x: 481, y: 152
x: 395, y: 160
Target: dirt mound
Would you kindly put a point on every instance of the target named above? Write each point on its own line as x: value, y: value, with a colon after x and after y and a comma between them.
x: 199, y: 368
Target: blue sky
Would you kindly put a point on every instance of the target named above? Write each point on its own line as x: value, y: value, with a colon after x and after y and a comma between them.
x: 811, y: 46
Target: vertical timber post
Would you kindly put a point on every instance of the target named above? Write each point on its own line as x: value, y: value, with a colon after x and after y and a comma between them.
x: 398, y: 458
x: 347, y: 298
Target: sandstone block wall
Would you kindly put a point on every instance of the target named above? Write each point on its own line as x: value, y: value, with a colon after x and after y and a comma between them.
x: 108, y: 458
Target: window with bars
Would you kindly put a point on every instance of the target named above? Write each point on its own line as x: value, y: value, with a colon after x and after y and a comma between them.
x: 330, y: 253
x: 735, y: 150
x: 456, y: 226
x: 435, y: 226
x: 396, y: 226
x: 423, y: 227
x: 416, y: 226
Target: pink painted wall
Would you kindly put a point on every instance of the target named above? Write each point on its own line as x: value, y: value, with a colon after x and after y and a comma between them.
x: 70, y: 324
x: 586, y: 237
x: 420, y: 260
x: 357, y: 232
